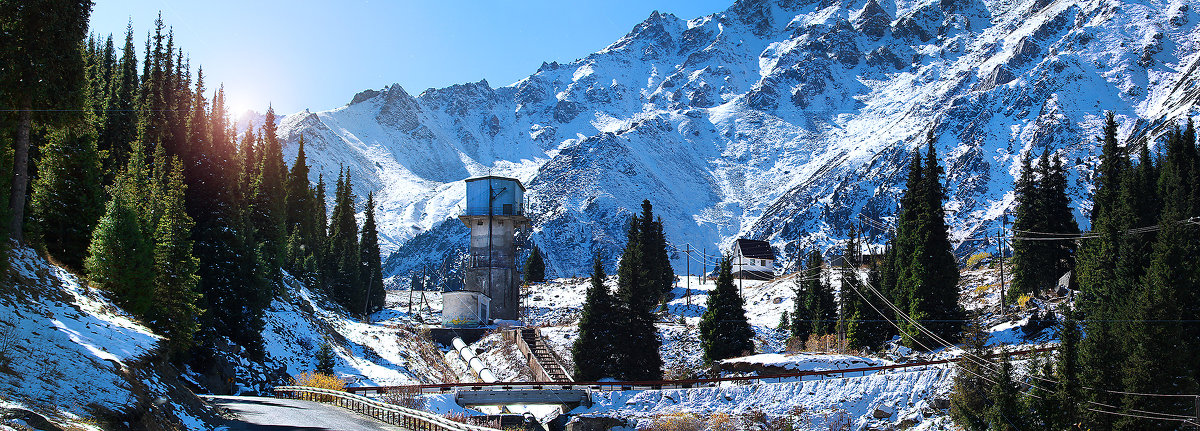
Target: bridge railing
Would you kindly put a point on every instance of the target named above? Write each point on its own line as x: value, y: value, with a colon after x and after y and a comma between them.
x: 671, y: 384
x: 389, y: 413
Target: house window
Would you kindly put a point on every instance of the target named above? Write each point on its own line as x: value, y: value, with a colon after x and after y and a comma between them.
x: 479, y: 223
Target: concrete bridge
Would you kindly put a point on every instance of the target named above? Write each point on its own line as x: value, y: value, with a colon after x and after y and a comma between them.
x: 570, y: 398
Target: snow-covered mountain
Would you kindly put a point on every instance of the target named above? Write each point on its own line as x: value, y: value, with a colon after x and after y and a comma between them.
x: 774, y: 119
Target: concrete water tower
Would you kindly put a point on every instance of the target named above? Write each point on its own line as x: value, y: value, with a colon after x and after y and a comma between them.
x: 495, y: 211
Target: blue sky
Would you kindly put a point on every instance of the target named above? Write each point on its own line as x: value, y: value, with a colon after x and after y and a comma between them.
x: 318, y: 54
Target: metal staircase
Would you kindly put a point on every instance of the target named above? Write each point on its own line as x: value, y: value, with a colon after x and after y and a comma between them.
x: 542, y: 360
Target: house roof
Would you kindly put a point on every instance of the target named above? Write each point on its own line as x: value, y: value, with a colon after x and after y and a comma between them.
x: 755, y: 249
x: 494, y: 177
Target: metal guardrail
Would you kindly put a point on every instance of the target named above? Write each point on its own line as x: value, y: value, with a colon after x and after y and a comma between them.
x: 664, y: 384
x: 389, y: 413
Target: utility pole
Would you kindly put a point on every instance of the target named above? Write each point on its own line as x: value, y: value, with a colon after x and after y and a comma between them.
x: 1000, y: 241
x: 424, y: 285
x: 704, y: 264
x: 688, y: 293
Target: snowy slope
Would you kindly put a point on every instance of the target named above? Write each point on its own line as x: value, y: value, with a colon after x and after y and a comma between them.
x: 384, y: 351
x: 72, y: 356
x: 774, y: 119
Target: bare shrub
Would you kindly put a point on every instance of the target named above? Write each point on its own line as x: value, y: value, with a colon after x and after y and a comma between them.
x: 321, y: 381
x: 676, y: 422
x: 404, y: 397
x: 8, y: 343
x: 828, y: 343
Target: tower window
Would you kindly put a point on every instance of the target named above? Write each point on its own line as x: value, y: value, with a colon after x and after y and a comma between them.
x: 479, y: 223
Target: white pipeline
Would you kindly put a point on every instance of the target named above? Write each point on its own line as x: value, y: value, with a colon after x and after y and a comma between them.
x: 477, y: 365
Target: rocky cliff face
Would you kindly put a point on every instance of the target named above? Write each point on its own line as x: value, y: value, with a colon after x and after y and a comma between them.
x: 783, y: 120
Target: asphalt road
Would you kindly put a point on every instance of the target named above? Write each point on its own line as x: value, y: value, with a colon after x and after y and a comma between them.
x: 274, y: 414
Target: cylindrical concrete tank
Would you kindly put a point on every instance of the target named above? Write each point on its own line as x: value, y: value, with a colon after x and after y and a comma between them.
x: 464, y: 309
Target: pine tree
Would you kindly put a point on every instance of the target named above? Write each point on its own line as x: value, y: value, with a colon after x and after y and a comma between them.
x: 371, y: 264
x: 926, y: 282
x: 342, y: 272
x: 1161, y: 356
x: 120, y: 123
x: 302, y: 232
x: 68, y: 196
x: 1102, y: 291
x: 593, y: 349
x: 654, y: 248
x: 325, y: 360
x: 1043, y: 211
x: 121, y: 255
x: 969, y: 400
x: 724, y: 330
x: 802, y: 307
x: 1067, y: 397
x: 40, y: 65
x: 175, y: 269
x: 535, y: 268
x: 636, y: 356
x: 784, y: 323
x: 269, y: 202
x: 821, y: 301
x: 1004, y: 412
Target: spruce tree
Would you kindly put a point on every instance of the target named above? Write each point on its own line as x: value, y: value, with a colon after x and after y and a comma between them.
x: 303, y: 234
x: 802, y: 315
x: 40, y: 65
x: 371, y: 264
x: 1102, y: 291
x: 863, y: 324
x: 121, y: 255
x: 535, y: 267
x: 325, y: 360
x: 969, y: 400
x: 926, y: 282
x: 234, y: 295
x: 821, y: 301
x: 175, y: 269
x: 654, y: 245
x: 1161, y: 356
x: 593, y: 349
x: 1043, y: 211
x: 269, y: 202
x: 342, y: 254
x: 1067, y: 396
x: 637, y: 356
x: 120, y: 123
x: 724, y: 330
x: 1004, y: 412
x: 68, y: 196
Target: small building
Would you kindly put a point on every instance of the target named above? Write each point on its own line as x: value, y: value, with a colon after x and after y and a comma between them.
x: 753, y: 260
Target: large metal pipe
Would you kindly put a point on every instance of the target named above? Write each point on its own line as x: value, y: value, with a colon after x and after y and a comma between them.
x: 477, y: 365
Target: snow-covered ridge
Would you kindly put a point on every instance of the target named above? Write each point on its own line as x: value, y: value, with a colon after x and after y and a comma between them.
x: 779, y: 120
